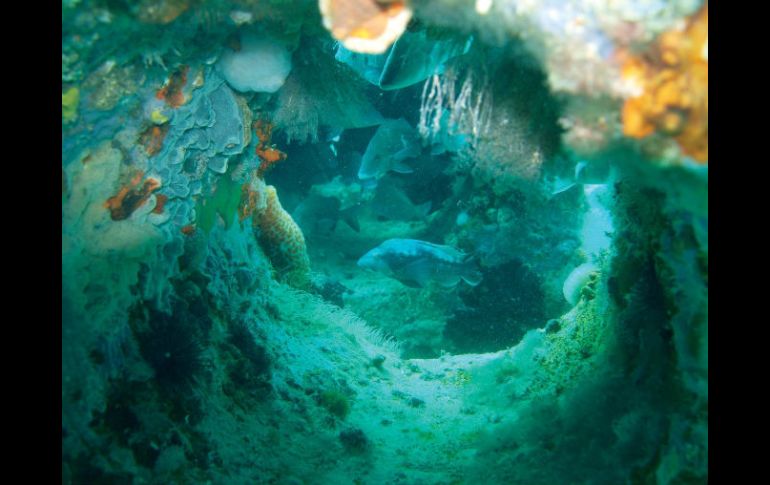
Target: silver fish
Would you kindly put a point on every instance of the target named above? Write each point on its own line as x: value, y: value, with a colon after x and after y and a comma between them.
x: 416, y: 55
x: 415, y: 263
x: 393, y: 142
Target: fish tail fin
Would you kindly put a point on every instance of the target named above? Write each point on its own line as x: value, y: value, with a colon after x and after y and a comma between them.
x: 472, y: 275
x: 350, y: 216
x: 401, y: 167
x: 424, y: 209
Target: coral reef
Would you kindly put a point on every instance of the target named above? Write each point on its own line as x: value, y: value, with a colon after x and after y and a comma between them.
x: 214, y: 333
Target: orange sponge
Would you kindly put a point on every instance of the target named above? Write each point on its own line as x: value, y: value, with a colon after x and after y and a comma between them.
x: 673, y: 84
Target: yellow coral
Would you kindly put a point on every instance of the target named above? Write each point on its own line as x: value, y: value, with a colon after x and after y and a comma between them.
x: 69, y: 104
x: 673, y: 84
x: 158, y: 117
x: 278, y: 235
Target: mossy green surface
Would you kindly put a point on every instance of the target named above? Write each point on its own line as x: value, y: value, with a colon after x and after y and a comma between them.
x: 223, y: 203
x: 335, y: 402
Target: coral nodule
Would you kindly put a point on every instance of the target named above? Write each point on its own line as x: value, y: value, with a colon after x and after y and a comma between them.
x: 672, y: 85
x: 277, y: 233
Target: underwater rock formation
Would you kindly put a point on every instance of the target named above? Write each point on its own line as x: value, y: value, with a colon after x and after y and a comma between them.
x: 214, y: 333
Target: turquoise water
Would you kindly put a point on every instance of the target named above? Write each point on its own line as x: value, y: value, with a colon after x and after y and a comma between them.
x: 350, y: 242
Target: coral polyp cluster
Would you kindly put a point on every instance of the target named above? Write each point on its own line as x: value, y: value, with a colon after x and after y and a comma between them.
x: 277, y: 233
x: 673, y: 84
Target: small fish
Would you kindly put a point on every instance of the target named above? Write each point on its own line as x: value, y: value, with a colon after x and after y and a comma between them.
x: 394, y: 142
x: 415, y: 263
x: 585, y: 174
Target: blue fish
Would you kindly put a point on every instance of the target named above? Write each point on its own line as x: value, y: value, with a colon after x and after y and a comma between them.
x: 416, y: 263
x: 392, y: 143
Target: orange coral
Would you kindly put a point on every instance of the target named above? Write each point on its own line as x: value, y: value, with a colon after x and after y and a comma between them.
x: 173, y: 90
x: 268, y: 155
x: 673, y: 78
x: 129, y: 198
x: 152, y: 138
x: 264, y: 131
x: 188, y: 230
